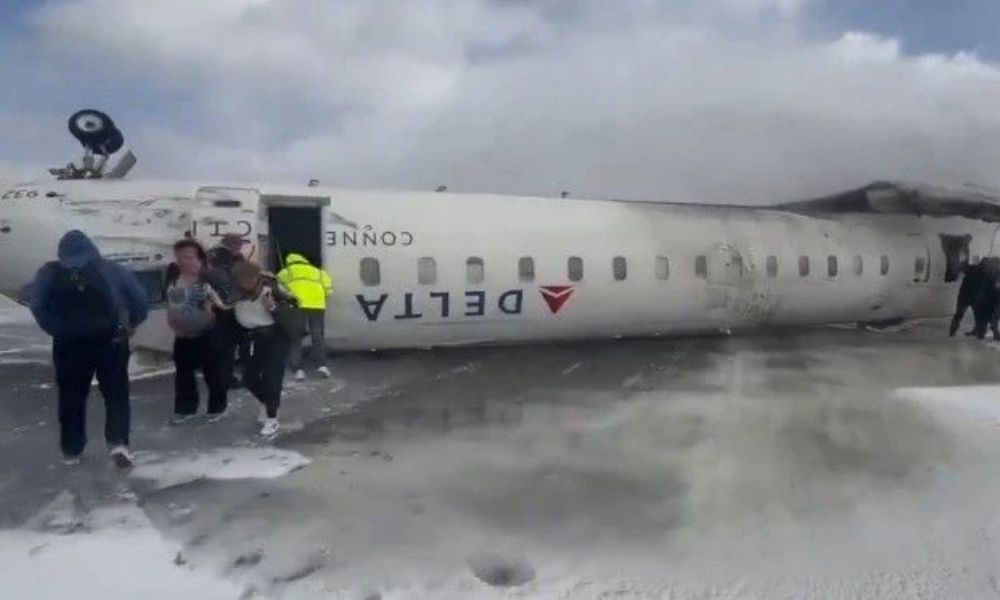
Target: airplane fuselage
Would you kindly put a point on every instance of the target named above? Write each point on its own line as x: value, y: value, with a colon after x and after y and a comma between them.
x: 418, y: 269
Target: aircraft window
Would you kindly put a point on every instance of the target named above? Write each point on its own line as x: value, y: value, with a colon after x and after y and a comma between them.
x: 772, y: 266
x: 701, y: 266
x: 426, y: 271
x: 620, y: 268
x: 574, y: 267
x: 803, y: 266
x: 475, y: 270
x: 858, y: 266
x: 370, y: 272
x: 885, y: 265
x: 918, y: 267
x: 662, y: 267
x: 831, y: 266
x: 526, y: 268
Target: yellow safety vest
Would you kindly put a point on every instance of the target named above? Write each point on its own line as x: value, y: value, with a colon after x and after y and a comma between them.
x: 307, y: 283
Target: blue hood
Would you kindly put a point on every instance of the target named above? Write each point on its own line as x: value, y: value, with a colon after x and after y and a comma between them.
x: 76, y: 249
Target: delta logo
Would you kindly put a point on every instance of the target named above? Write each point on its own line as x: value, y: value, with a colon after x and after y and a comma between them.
x: 445, y: 305
x: 556, y: 296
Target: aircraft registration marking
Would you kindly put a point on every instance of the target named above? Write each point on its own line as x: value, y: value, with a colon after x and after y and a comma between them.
x: 19, y: 193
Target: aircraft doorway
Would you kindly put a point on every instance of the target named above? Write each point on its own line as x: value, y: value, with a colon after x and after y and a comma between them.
x: 296, y: 229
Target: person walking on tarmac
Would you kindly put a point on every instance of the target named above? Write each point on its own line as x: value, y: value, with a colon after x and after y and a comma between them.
x: 978, y: 292
x: 225, y: 336
x: 259, y: 301
x: 192, y: 306
x: 311, y: 286
x: 90, y: 307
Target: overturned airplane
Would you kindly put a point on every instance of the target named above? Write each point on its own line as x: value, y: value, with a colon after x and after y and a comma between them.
x: 420, y: 269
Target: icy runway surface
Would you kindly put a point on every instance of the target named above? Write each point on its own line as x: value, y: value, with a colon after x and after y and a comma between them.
x: 822, y: 463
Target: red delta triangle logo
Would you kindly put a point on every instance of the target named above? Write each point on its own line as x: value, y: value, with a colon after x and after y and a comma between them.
x: 556, y: 296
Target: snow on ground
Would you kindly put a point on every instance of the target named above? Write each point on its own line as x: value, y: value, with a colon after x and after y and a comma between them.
x: 111, y: 553
x: 12, y: 313
x: 978, y: 401
x: 223, y: 464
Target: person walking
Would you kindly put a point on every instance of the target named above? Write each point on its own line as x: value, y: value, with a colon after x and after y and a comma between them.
x: 225, y: 336
x: 90, y: 307
x: 978, y: 291
x: 259, y: 297
x: 191, y: 313
x: 311, y: 286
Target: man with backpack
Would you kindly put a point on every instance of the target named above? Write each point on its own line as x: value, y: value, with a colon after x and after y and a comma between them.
x: 90, y: 307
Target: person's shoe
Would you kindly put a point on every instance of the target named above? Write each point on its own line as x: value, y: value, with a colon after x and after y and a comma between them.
x: 300, y: 375
x: 72, y: 460
x: 215, y: 417
x: 122, y: 458
x: 179, y: 419
x: 262, y: 415
x: 324, y: 371
x: 269, y: 428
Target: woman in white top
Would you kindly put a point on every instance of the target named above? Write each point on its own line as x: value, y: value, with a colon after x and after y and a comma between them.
x: 191, y: 303
x: 258, y: 296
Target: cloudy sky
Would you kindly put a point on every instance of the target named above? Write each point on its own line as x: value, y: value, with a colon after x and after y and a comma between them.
x: 706, y: 100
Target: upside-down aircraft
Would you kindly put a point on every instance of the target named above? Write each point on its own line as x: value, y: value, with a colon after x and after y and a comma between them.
x: 423, y: 269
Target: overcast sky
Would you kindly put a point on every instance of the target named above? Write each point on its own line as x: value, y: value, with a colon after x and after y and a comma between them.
x: 706, y: 100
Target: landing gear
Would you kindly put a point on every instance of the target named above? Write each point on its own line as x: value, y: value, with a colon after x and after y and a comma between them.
x: 99, y: 137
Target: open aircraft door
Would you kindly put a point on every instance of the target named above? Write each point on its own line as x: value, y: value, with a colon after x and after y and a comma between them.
x: 221, y: 210
x: 921, y: 264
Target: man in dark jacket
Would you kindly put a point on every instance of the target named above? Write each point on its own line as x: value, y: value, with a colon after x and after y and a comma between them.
x: 987, y: 301
x: 978, y: 291
x: 226, y: 335
x: 90, y: 307
x: 221, y: 260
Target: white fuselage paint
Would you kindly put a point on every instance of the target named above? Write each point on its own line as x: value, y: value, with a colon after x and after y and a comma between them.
x: 136, y: 223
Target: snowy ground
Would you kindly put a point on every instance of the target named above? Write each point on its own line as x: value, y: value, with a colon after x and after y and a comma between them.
x: 825, y: 463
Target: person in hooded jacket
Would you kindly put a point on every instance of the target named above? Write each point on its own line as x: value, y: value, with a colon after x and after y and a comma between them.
x: 311, y: 286
x: 90, y: 307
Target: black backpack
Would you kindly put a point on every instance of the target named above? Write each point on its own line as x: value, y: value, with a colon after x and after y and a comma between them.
x: 286, y: 311
x: 81, y: 299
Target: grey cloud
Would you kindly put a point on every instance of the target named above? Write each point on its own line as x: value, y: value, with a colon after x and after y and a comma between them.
x: 653, y: 100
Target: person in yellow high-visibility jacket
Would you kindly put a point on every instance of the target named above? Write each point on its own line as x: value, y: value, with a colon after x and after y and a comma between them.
x: 311, y: 286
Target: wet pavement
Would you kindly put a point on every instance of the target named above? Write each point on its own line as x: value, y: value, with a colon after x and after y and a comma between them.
x: 791, y: 464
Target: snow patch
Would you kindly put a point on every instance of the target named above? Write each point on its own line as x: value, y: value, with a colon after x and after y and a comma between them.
x: 228, y: 463
x: 12, y: 313
x: 979, y: 400
x: 114, y: 554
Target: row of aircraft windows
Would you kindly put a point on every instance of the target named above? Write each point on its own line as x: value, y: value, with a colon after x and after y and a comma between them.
x: 475, y: 268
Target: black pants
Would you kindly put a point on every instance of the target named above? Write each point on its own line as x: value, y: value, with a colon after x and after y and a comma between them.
x: 190, y: 356
x: 314, y: 323
x: 225, y: 337
x: 264, y: 366
x: 76, y: 362
x: 984, y: 312
x: 961, y: 306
